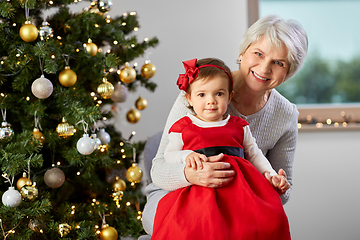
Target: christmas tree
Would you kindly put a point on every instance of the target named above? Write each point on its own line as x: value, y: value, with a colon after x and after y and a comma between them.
x: 66, y: 174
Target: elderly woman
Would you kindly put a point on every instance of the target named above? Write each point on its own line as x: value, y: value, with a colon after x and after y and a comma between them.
x: 271, y: 51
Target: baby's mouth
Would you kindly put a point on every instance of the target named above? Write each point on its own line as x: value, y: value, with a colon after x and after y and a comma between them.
x: 261, y: 78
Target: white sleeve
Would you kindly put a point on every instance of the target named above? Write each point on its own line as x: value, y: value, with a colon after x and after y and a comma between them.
x: 173, y: 152
x: 254, y: 155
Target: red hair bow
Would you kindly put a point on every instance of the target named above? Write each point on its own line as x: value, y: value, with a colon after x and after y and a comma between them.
x: 191, y: 73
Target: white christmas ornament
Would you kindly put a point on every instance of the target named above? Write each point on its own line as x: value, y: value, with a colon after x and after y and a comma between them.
x: 85, y: 145
x: 104, y: 136
x: 120, y: 93
x: 11, y: 197
x: 42, y: 87
x: 96, y: 139
x: 5, y: 131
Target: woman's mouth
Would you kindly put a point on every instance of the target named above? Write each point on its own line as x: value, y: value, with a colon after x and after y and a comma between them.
x: 261, y: 78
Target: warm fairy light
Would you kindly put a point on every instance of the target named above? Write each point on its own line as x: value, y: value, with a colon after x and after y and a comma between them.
x: 18, y: 55
x: 58, y: 163
x: 123, y: 156
x: 77, y: 50
x: 14, y: 24
x: 344, y: 124
x: 95, y: 98
x: 122, y: 150
x: 121, y: 143
x: 98, y: 232
x: 124, y: 14
x: 92, y: 94
x: 51, y: 2
x: 2, y: 62
x: 336, y: 124
x: 58, y: 37
x: 132, y: 13
x: 92, y: 204
x: 108, y: 16
x: 115, y: 42
x: 100, y: 50
x: 41, y: 231
x: 128, y: 204
x: 118, y: 161
x: 96, y: 25
x: 77, y: 226
x: 111, y: 70
x: 18, y: 62
x: 132, y: 45
x: 108, y: 51
x: 104, y: 118
x: 73, y: 207
x: 136, y: 29
x: 53, y: 56
x: 78, y: 173
x: 99, y: 102
x: 124, y: 24
x: 319, y: 125
x: 108, y: 21
x: 2, y: 94
x: 135, y: 64
x: 27, y: 98
x: 94, y: 200
x: 342, y: 113
x: 308, y: 117
x: 299, y: 125
x: 118, y: 71
x: 328, y: 121
x: 133, y: 133
x: 146, y: 39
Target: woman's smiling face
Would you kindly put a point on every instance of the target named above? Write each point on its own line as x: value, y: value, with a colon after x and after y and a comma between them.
x: 264, y: 66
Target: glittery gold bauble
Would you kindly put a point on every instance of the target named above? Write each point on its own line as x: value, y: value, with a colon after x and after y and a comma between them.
x: 67, y: 77
x: 64, y: 229
x: 91, y: 48
x: 29, y: 192
x: 108, y: 233
x: 39, y: 136
x: 64, y: 129
x: 127, y: 74
x: 148, y: 70
x: 105, y: 90
x: 24, y: 180
x: 133, y: 116
x: 118, y: 185
x: 54, y: 177
x: 28, y: 32
x: 134, y: 173
x: 141, y: 103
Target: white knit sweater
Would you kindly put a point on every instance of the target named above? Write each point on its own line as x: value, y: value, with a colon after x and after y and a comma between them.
x: 274, y: 127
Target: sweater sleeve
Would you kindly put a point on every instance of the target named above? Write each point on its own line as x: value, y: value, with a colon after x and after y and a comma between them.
x: 254, y: 155
x: 173, y: 151
x: 170, y: 176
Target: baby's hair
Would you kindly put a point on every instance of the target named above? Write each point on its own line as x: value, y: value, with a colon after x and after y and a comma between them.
x: 207, y: 73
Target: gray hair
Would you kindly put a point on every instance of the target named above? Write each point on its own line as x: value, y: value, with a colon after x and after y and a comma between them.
x: 279, y: 31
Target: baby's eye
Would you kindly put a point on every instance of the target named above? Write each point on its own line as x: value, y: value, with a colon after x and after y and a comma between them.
x: 220, y: 94
x: 201, y: 94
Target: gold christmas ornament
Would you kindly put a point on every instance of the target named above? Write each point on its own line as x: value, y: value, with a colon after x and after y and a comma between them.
x: 64, y: 129
x: 108, y: 233
x: 118, y: 185
x: 64, y: 229
x: 127, y: 74
x: 91, y: 48
x: 39, y: 136
x: 54, y: 177
x: 28, y: 32
x: 141, y: 103
x: 134, y: 174
x: 133, y: 116
x: 29, y: 192
x: 148, y: 70
x: 67, y: 77
x: 106, y: 89
x: 24, y: 180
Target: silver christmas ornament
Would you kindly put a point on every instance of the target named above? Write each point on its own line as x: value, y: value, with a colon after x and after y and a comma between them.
x: 42, y: 87
x: 45, y: 32
x: 120, y: 93
x: 6, y: 133
x: 104, y: 5
x: 54, y: 177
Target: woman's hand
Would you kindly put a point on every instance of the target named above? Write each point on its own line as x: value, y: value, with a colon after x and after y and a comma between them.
x: 279, y: 182
x: 214, y: 173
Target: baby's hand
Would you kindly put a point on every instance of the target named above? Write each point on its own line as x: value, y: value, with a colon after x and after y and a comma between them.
x: 279, y: 182
x: 194, y: 160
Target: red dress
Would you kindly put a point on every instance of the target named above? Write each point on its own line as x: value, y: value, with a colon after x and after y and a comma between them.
x: 247, y: 208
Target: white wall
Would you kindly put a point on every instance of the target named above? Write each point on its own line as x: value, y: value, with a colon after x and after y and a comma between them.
x: 326, y: 193
x: 186, y: 29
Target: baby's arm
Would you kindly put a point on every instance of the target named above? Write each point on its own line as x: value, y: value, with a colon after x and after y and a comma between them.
x: 173, y: 152
x: 257, y: 158
x: 194, y: 160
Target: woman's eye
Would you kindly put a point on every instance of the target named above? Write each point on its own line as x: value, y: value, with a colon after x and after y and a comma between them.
x: 259, y: 54
x: 279, y: 63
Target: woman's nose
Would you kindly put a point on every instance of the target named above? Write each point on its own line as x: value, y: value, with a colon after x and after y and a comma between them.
x: 265, y: 67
